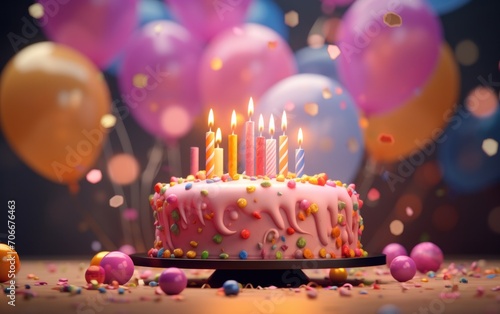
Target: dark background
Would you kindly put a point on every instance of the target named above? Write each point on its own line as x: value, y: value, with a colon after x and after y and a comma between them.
x: 50, y: 221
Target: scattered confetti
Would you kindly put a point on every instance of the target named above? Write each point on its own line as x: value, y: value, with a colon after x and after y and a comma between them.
x: 116, y: 201
x: 386, y: 138
x: 392, y: 19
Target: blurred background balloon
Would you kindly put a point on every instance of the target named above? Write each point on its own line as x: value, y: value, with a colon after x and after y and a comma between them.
x: 152, y: 10
x: 158, y: 79
x: 52, y: 100
x: 242, y: 63
x: 328, y: 6
x: 420, y: 121
x: 316, y: 60
x: 389, y: 50
x: 207, y: 18
x: 98, y: 29
x: 325, y: 111
x: 468, y: 156
x: 268, y: 13
x: 446, y: 6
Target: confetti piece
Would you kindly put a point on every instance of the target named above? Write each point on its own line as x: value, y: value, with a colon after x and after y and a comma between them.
x: 292, y: 18
x: 386, y: 138
x: 392, y: 19
x: 344, y: 292
x: 333, y: 51
x: 272, y: 44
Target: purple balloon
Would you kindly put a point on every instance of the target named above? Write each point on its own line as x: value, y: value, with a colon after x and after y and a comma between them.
x: 403, y: 268
x: 392, y: 251
x: 118, y: 266
x: 427, y: 257
x: 158, y: 79
x: 383, y: 66
x: 241, y: 63
x: 98, y: 29
x: 207, y: 18
x: 172, y: 281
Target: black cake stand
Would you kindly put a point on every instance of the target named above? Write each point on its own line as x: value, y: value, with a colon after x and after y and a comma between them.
x: 279, y: 273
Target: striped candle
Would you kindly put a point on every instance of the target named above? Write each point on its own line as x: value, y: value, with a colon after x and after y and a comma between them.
x: 271, y: 150
x: 249, y: 141
x: 260, y: 159
x: 283, y: 148
x: 210, y: 146
x: 299, y: 157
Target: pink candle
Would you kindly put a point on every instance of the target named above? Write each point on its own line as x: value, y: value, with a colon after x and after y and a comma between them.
x: 249, y: 141
x: 271, y: 150
x: 260, y: 162
x: 195, y: 153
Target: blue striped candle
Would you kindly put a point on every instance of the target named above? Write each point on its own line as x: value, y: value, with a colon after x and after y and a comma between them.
x: 299, y: 157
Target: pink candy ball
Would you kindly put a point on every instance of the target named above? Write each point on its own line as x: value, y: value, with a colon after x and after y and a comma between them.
x: 118, y: 266
x: 403, y: 268
x: 393, y: 250
x: 95, y: 272
x: 427, y: 256
x: 172, y: 281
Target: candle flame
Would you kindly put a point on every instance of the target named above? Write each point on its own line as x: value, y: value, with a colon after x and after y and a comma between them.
x: 283, y: 122
x: 250, y: 108
x: 233, y: 121
x: 211, y: 118
x: 300, y: 137
x: 218, y: 137
x: 261, y: 123
x: 271, y: 125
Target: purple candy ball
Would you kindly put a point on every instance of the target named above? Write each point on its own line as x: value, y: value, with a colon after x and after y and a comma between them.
x: 118, y: 266
x: 393, y: 250
x: 172, y: 281
x: 403, y: 268
x: 427, y: 257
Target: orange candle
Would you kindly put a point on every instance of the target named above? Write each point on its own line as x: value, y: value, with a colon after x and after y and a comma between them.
x: 233, y: 148
x: 210, y: 146
x: 219, y: 155
x: 260, y: 161
x: 283, y: 148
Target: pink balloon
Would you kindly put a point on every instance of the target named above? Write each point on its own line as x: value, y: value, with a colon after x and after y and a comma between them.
x: 239, y: 64
x: 207, y: 18
x: 382, y: 66
x: 158, y: 79
x: 98, y: 29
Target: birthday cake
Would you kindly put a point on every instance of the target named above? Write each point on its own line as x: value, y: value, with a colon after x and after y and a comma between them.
x: 256, y: 218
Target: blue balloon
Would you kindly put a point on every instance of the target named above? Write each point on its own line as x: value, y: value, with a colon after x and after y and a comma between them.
x: 316, y: 61
x: 268, y: 13
x: 322, y: 107
x: 466, y: 166
x: 446, y: 6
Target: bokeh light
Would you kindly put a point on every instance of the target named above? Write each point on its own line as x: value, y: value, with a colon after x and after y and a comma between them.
x: 130, y: 214
x: 396, y: 227
x: 123, y: 169
x: 429, y: 174
x: 175, y: 121
x: 94, y: 176
x: 95, y: 246
x: 333, y: 51
x: 292, y: 18
x: 116, y: 201
x: 127, y: 249
x: 482, y: 102
x: 108, y: 121
x: 411, y: 201
x: 494, y: 220
x: 490, y: 147
x: 466, y: 52
x: 373, y: 195
x: 445, y: 218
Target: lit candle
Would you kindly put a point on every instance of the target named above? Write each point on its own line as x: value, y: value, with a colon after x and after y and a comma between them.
x: 210, y: 146
x: 195, y: 156
x: 233, y: 148
x: 299, y: 156
x: 283, y: 148
x: 219, y: 155
x: 271, y: 150
x: 260, y: 162
x: 249, y: 141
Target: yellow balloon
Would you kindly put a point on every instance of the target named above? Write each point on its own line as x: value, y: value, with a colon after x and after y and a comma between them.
x: 52, y: 99
x: 9, y: 263
x: 414, y: 126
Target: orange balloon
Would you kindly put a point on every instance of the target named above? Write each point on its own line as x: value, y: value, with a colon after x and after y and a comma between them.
x: 52, y: 99
x: 421, y: 121
x: 9, y: 263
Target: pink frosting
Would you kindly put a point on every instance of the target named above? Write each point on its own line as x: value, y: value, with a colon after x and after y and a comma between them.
x: 191, y: 215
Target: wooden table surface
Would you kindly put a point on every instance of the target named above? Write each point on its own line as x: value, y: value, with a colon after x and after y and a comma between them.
x: 467, y: 290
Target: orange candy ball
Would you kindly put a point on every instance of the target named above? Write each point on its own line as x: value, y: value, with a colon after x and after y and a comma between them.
x: 338, y: 275
x: 9, y: 263
x: 96, y: 260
